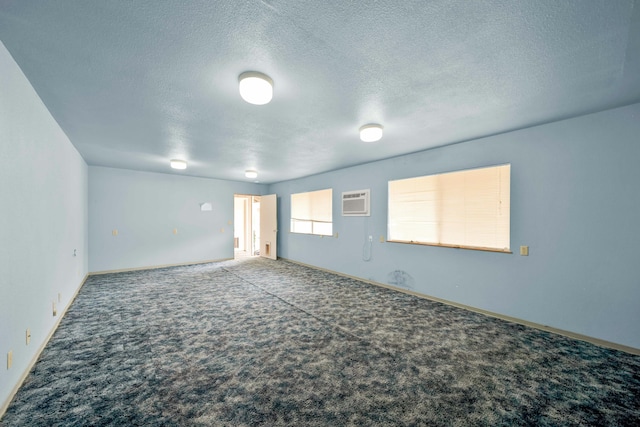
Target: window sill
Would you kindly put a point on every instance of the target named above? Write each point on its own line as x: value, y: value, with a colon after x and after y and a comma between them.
x: 311, y: 234
x: 443, y: 245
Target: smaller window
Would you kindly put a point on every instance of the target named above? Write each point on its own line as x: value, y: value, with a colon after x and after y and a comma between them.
x: 311, y: 212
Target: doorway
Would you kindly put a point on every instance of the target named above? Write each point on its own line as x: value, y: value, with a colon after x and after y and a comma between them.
x: 246, y: 226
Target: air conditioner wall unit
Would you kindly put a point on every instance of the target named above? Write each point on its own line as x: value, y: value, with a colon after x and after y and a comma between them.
x: 356, y: 203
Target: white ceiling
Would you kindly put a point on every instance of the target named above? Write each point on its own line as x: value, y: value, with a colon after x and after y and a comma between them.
x: 136, y: 83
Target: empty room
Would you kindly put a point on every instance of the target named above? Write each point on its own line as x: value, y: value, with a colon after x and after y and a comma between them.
x: 320, y: 213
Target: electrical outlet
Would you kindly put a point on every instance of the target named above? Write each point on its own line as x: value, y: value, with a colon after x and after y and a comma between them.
x: 371, y: 238
x: 9, y: 359
x: 336, y: 235
x: 28, y: 336
x: 114, y: 232
x: 381, y: 239
x: 175, y: 231
x: 524, y: 250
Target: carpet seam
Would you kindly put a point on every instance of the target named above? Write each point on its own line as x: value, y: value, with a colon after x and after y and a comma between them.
x: 332, y: 326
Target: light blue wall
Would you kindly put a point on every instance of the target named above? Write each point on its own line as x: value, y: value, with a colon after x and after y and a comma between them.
x: 575, y: 202
x: 43, y: 217
x: 145, y: 208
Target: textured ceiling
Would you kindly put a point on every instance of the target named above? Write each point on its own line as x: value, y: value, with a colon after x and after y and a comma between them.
x: 136, y: 83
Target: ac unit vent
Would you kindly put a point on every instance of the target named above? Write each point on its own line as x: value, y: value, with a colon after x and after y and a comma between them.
x: 355, y: 203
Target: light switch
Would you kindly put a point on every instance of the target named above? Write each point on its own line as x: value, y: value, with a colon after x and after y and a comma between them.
x: 114, y: 232
x: 524, y: 250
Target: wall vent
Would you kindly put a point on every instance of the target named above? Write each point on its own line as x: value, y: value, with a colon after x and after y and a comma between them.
x: 355, y: 203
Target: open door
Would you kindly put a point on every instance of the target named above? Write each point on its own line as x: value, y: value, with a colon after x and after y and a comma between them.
x: 268, y: 226
x: 246, y: 225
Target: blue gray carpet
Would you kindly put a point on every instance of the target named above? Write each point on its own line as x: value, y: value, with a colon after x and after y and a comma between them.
x: 259, y: 342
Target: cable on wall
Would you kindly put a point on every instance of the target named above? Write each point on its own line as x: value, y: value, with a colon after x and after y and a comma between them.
x: 368, y: 242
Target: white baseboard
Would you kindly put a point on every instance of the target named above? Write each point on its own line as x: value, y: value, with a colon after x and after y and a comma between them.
x: 155, y: 267
x: 36, y: 356
x: 595, y: 341
x: 569, y: 334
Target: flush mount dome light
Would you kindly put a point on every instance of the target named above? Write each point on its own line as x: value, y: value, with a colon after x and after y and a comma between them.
x: 255, y: 88
x: 371, y: 132
x: 178, y: 164
x: 250, y: 173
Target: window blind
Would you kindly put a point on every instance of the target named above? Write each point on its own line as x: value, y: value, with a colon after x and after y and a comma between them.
x: 311, y: 212
x: 469, y: 208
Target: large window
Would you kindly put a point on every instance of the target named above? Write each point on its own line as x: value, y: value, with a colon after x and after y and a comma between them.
x: 311, y: 213
x: 466, y: 209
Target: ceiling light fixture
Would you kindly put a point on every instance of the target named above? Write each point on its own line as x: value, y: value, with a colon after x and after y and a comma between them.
x: 371, y: 132
x: 178, y: 164
x: 255, y: 88
x: 250, y: 173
